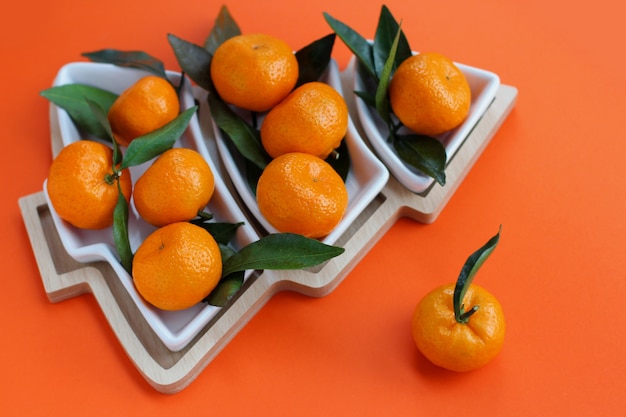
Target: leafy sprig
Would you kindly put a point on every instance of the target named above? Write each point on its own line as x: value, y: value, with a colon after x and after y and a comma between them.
x: 378, y: 60
x: 466, y: 276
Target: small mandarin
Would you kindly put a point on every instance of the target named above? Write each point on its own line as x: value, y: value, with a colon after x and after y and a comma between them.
x: 82, y: 186
x: 301, y: 193
x: 429, y: 94
x: 147, y: 105
x: 254, y: 71
x: 312, y: 119
x: 177, y: 266
x: 458, y: 346
x: 174, y: 188
x: 461, y: 326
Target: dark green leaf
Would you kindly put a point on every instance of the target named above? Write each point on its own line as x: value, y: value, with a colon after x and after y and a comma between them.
x: 424, y: 153
x: 281, y: 251
x: 253, y: 173
x: 224, y: 28
x: 71, y: 98
x: 243, y: 136
x: 128, y: 59
x: 228, y: 286
x: 225, y: 289
x: 193, y: 60
x: 222, y: 232
x: 120, y: 231
x: 384, y: 39
x: 368, y: 98
x: 144, y: 148
x: 313, y: 59
x: 471, y: 266
x: 101, y: 117
x: 355, y: 42
x: 340, y: 160
x: 382, y: 98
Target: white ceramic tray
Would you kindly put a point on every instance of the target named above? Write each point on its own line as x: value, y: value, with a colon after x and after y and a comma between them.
x: 367, y: 175
x: 483, y: 86
x: 170, y: 370
x: 174, y: 328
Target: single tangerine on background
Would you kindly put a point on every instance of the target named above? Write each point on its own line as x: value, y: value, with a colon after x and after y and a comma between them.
x: 460, y: 326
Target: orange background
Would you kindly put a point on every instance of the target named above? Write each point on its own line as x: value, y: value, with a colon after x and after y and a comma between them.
x: 552, y: 176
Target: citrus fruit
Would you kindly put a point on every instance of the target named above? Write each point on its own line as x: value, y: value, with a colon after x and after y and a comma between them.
x: 311, y: 119
x: 429, y: 94
x: 459, y: 346
x: 301, y: 193
x: 456, y: 337
x: 254, y: 71
x: 147, y: 105
x: 82, y: 186
x: 177, y: 266
x: 174, y: 188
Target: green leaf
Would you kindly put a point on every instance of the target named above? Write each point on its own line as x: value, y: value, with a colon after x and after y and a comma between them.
x: 368, y: 98
x: 102, y: 118
x: 228, y: 285
x: 128, y: 59
x: 313, y: 59
x: 146, y: 147
x: 194, y: 61
x: 71, y: 98
x: 424, y: 153
x: 471, y: 266
x: 281, y: 251
x: 355, y: 42
x: 385, y: 37
x: 222, y: 232
x: 226, y: 288
x: 245, y: 138
x: 382, y: 97
x: 340, y: 160
x: 253, y: 173
x: 120, y: 231
x: 224, y: 28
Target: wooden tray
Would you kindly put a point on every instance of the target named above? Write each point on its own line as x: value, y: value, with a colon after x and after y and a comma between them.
x: 170, y: 372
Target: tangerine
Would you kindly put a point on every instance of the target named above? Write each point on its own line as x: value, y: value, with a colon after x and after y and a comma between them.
x: 458, y: 346
x: 455, y: 337
x: 254, y: 71
x: 177, y: 266
x: 311, y: 119
x: 83, y: 186
x: 429, y: 94
x: 174, y: 188
x: 301, y: 193
x: 147, y: 105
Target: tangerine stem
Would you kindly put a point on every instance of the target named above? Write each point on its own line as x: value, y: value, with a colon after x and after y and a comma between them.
x: 464, y: 316
x: 112, y: 178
